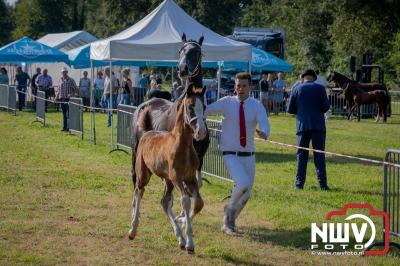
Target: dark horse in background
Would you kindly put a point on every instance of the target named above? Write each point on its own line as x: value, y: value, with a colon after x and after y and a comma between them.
x: 357, y: 94
x: 163, y: 112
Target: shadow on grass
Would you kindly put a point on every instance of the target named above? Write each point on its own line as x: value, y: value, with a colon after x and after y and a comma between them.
x: 299, y: 239
x: 275, y: 157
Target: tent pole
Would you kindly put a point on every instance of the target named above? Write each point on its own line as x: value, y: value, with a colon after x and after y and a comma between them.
x: 91, y: 100
x: 110, y: 106
x: 219, y: 80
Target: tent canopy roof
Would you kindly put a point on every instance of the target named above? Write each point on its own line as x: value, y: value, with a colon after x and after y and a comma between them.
x: 261, y: 61
x: 68, y: 40
x: 30, y: 51
x: 157, y: 37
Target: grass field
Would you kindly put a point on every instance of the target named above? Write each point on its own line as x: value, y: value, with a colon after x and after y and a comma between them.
x: 66, y: 201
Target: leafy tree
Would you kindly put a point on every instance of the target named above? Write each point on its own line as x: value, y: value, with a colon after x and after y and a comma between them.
x: 6, y: 23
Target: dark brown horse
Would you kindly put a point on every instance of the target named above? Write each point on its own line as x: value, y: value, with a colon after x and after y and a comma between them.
x: 163, y: 112
x: 360, y: 97
x: 171, y: 156
x: 343, y: 82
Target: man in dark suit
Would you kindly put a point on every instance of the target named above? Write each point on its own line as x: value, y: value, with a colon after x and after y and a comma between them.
x: 309, y: 102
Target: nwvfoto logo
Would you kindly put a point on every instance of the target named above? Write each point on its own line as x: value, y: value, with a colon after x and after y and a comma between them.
x: 336, y: 236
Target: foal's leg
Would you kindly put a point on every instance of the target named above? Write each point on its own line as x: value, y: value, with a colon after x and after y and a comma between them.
x: 167, y: 202
x: 185, y: 199
x: 378, y: 115
x: 135, y: 212
x: 198, y: 201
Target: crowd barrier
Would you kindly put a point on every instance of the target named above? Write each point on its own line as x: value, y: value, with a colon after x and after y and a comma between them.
x: 75, y: 120
x: 41, y: 107
x: 8, y: 98
x: 213, y: 164
x: 391, y: 198
x: 124, y: 127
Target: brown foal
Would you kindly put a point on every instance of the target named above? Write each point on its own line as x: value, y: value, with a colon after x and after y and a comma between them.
x: 171, y: 156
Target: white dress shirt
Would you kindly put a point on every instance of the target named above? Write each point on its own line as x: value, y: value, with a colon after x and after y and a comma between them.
x: 229, y: 107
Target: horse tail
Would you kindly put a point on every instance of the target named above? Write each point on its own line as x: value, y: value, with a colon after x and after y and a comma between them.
x: 145, y: 121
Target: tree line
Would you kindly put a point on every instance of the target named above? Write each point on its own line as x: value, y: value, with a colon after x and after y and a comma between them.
x: 318, y: 34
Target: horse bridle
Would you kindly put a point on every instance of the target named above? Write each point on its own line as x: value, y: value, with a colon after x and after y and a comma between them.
x: 196, y: 70
x: 188, y: 119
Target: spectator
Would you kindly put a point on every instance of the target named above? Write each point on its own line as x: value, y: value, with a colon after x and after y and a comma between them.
x: 168, y: 76
x: 66, y: 90
x: 99, y: 88
x: 264, y: 91
x: 174, y: 92
x: 84, y: 88
x: 308, y: 101
x: 321, y: 80
x: 241, y: 114
x: 277, y: 94
x: 126, y: 87
x: 22, y: 80
x: 158, y: 79
x: 43, y: 83
x: 111, y: 98
x: 270, y: 90
x: 34, y: 86
x: 3, y: 76
x: 144, y: 81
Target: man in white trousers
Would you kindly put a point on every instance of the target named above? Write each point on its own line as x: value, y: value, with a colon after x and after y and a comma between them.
x: 241, y: 114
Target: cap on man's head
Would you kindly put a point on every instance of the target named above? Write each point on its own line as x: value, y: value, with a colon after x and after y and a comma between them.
x: 309, y: 72
x: 64, y: 69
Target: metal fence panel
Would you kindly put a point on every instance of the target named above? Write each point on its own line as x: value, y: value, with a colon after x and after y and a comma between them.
x: 124, y: 125
x: 213, y: 160
x: 75, y: 122
x: 4, y: 96
x: 41, y: 107
x: 12, y: 98
x: 391, y: 197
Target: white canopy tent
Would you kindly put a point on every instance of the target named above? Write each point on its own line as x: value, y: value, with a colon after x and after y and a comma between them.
x: 67, y: 40
x: 157, y: 37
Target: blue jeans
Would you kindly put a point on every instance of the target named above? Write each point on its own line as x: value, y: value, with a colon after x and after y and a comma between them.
x: 65, y: 111
x: 112, y: 106
x: 125, y: 99
x: 318, y: 142
x: 21, y: 96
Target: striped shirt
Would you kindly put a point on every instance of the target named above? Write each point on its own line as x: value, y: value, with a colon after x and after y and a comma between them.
x: 44, y: 81
x: 67, y: 88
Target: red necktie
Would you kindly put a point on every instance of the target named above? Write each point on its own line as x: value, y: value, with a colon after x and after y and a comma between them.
x: 242, y: 122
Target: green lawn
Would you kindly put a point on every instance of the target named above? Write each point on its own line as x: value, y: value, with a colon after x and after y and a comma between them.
x: 66, y: 201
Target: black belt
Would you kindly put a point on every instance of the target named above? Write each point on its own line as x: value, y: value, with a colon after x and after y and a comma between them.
x: 238, y: 153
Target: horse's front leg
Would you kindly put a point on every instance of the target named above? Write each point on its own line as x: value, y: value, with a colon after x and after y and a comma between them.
x: 378, y: 115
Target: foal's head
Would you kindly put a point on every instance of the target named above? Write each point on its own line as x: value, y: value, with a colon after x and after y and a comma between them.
x: 192, y: 101
x: 190, y: 58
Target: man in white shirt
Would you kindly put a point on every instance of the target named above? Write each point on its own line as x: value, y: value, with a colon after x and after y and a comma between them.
x: 240, y: 117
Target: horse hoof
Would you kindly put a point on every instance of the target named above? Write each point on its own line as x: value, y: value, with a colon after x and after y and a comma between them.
x: 182, y: 247
x: 131, y: 235
x: 190, y: 250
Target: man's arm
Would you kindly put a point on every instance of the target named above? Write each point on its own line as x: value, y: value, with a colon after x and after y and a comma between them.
x: 216, y: 107
x: 324, y: 101
x: 263, y: 123
x: 292, y: 107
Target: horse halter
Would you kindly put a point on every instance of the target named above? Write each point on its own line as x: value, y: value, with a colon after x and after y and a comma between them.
x: 188, y: 119
x: 196, y: 70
